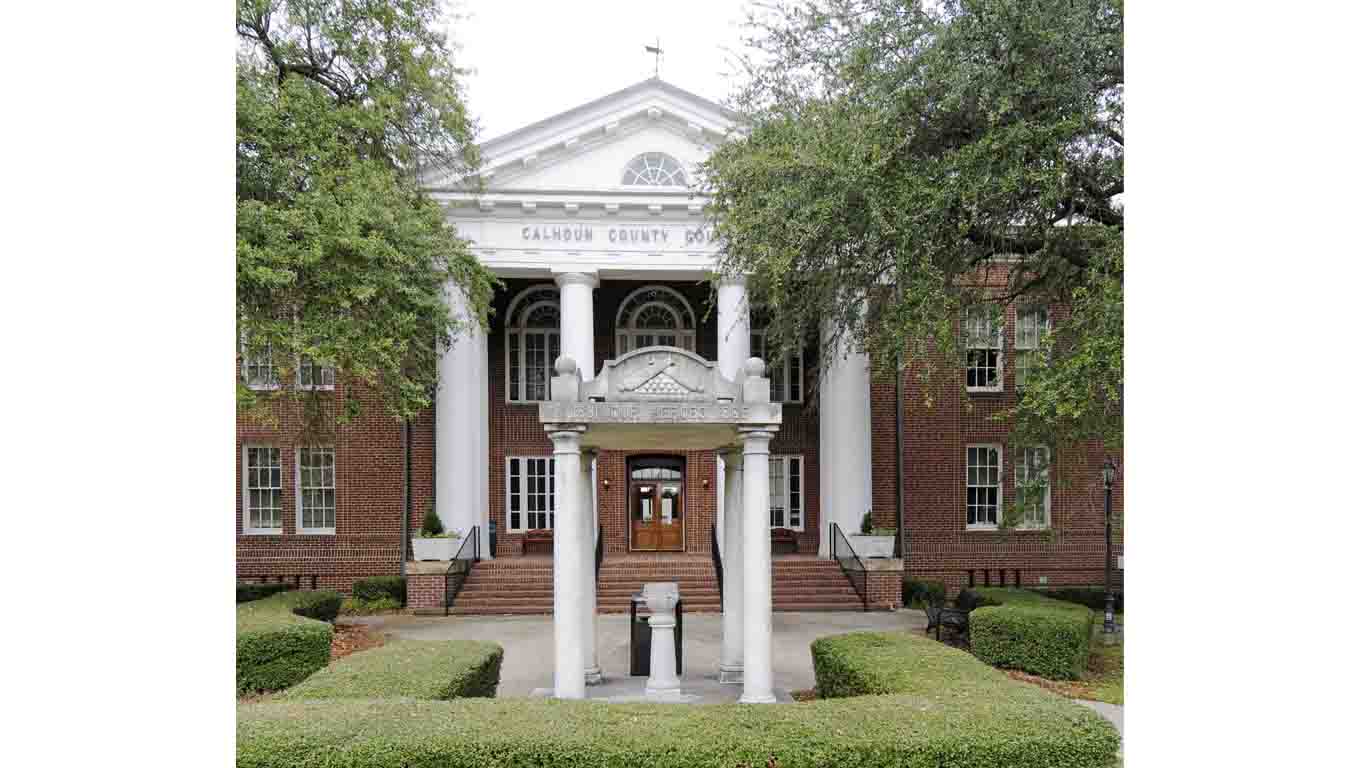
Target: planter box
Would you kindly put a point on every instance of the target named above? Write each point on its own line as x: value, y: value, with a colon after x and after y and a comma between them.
x: 872, y: 546
x: 435, y: 549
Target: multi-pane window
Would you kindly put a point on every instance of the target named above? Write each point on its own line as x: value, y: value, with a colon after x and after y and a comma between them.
x: 654, y: 169
x: 655, y: 316
x: 261, y: 489
x: 784, y: 376
x: 982, y: 339
x: 1031, y: 486
x: 785, y: 492
x: 258, y: 367
x: 533, y: 343
x: 313, y: 375
x: 531, y: 492
x: 1030, y: 326
x: 984, y: 485
x: 317, y: 490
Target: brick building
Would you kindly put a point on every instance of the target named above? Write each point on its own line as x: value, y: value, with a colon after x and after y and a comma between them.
x: 588, y: 220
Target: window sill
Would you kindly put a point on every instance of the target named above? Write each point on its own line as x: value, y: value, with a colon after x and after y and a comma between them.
x: 263, y: 387
x: 316, y: 531
x: 983, y: 528
x: 318, y: 388
x: 262, y: 532
x: 982, y: 391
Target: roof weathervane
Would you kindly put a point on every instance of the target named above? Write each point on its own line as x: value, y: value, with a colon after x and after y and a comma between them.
x: 657, y: 51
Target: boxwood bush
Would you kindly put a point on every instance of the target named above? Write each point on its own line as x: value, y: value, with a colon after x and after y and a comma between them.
x: 248, y: 592
x: 277, y: 647
x: 943, y: 708
x: 418, y: 669
x: 375, y: 588
x: 1030, y: 632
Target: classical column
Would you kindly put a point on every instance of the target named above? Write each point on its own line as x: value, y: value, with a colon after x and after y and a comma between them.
x: 462, y: 426
x: 846, y: 448
x: 576, y: 319
x: 732, y: 350
x: 758, y: 587
x: 592, y: 674
x: 732, y: 570
x: 569, y: 561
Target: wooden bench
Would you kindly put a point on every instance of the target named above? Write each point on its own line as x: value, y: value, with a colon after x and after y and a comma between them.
x: 540, y: 541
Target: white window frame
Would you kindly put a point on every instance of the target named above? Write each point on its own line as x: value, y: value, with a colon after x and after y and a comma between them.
x: 515, y: 328
x: 250, y: 361
x: 625, y: 329
x: 524, y: 495
x: 1022, y: 469
x: 631, y: 176
x: 968, y: 484
x: 1025, y: 347
x: 973, y: 338
x: 247, y: 528
x: 780, y: 378
x: 327, y: 372
x: 299, y: 492
x: 784, y: 477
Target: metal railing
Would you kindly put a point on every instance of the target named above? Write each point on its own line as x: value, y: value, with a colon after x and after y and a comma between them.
x: 843, y: 552
x: 597, y: 557
x: 720, y: 571
x: 460, y: 567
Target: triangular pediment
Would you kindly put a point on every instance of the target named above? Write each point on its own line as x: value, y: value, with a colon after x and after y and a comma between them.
x: 588, y: 147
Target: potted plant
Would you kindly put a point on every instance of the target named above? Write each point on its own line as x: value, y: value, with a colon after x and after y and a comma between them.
x: 433, y: 542
x: 873, y: 542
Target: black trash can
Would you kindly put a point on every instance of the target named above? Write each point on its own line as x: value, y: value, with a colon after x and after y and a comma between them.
x: 641, y: 638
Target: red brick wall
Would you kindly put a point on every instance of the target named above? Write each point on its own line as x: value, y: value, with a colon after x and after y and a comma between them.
x: 369, y: 495
x: 426, y: 592
x: 884, y: 590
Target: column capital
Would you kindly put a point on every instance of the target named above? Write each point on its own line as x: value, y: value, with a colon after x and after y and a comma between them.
x: 734, y: 457
x: 588, y: 278
x: 566, y: 437
x: 757, y: 439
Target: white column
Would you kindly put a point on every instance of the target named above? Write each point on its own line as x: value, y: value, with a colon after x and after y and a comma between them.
x: 569, y: 562
x: 576, y: 319
x: 732, y: 570
x: 758, y: 587
x: 462, y: 426
x: 592, y: 674
x: 732, y: 350
x: 846, y: 449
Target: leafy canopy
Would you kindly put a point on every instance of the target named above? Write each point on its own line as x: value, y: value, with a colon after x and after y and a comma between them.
x: 902, y: 162
x: 341, y: 260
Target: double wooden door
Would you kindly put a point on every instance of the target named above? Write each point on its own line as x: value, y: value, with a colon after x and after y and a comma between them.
x: 657, y: 515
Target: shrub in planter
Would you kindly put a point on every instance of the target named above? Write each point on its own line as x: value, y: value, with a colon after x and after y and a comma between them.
x: 276, y: 647
x: 376, y: 587
x: 416, y: 669
x: 248, y: 592
x: 1032, y: 633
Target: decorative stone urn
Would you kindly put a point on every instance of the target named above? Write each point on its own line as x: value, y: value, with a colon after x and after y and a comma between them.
x: 866, y: 546
x: 663, y: 683
x: 436, y: 548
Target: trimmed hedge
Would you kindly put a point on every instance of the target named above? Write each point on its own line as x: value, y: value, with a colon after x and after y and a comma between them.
x: 373, y: 588
x: 1030, y: 632
x: 1091, y: 597
x: 353, y: 607
x: 417, y: 669
x: 276, y: 647
x: 323, y: 605
x: 249, y: 592
x: 947, y: 709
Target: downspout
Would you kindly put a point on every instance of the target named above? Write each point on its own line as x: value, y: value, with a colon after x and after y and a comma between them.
x: 899, y: 550
x: 407, y: 495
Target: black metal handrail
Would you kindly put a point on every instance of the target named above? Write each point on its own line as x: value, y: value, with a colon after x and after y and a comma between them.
x: 720, y: 571
x: 843, y: 552
x: 597, y: 557
x: 460, y: 567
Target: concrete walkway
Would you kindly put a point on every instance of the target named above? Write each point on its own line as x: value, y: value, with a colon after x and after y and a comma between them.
x: 528, y: 647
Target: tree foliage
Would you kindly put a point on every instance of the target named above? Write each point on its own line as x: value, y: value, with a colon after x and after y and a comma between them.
x: 341, y: 260
x: 901, y: 162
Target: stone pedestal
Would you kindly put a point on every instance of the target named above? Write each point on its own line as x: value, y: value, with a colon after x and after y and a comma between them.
x: 663, y: 683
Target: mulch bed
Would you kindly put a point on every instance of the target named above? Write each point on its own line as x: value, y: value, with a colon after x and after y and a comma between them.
x: 349, y: 638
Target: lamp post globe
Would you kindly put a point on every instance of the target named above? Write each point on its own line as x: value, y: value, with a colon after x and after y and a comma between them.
x: 1108, y: 474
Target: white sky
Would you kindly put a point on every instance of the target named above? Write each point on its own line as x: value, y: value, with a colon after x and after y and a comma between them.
x: 534, y: 59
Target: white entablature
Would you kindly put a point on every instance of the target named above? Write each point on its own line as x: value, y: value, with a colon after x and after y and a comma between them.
x: 555, y: 195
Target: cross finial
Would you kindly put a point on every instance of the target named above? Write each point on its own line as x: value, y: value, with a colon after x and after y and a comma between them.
x: 657, y: 51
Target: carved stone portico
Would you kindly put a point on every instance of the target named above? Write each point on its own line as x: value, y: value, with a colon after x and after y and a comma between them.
x: 664, y: 397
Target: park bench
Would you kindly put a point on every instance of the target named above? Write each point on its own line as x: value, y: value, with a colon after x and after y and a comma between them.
x: 955, y: 618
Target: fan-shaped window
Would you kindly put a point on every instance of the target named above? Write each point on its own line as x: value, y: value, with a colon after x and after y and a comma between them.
x: 655, y: 316
x: 654, y: 169
x: 533, y: 343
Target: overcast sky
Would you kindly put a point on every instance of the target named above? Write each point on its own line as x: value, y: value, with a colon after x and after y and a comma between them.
x: 534, y: 59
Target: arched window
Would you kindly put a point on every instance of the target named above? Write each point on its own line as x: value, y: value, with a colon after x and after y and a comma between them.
x: 655, y: 316
x: 533, y: 343
x: 654, y: 169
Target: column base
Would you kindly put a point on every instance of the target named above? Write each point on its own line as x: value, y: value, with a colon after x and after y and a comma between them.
x: 732, y: 675
x: 767, y: 698
x: 592, y: 676
x: 672, y: 692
